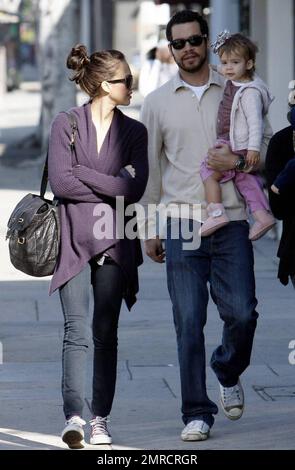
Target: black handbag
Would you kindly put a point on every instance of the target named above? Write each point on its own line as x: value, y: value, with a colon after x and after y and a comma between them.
x: 34, y: 229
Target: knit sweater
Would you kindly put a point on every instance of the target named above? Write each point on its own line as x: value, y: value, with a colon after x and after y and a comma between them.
x: 85, y: 180
x: 224, y: 110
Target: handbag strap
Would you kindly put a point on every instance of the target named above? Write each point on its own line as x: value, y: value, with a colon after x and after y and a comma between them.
x: 74, y: 127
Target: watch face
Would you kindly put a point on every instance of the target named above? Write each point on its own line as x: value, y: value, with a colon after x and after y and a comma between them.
x: 241, y: 163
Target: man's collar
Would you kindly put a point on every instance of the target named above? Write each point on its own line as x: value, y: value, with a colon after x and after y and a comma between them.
x: 214, y: 79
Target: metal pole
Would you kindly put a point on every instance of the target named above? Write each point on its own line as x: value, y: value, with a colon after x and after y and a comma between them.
x: 97, y: 25
x: 103, y: 12
x: 85, y: 29
x: 225, y: 14
x: 3, y: 70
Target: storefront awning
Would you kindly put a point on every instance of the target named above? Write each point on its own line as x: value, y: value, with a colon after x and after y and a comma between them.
x: 8, y: 17
x: 185, y: 2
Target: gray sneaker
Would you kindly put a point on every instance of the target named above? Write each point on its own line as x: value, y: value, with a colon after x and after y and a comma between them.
x: 99, y: 431
x: 196, y: 430
x: 232, y: 400
x: 73, y: 433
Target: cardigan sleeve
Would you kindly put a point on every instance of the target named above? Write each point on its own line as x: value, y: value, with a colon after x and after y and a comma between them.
x: 278, y: 154
x: 253, y: 108
x: 285, y: 180
x: 122, y: 185
x: 63, y: 183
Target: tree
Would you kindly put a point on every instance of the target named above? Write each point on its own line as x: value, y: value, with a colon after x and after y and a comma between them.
x: 58, y: 32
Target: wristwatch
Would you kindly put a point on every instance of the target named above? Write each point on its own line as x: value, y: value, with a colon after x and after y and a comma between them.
x: 240, y: 163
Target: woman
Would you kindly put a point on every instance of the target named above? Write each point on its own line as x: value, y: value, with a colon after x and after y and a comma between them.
x: 109, y: 160
x: 280, y: 176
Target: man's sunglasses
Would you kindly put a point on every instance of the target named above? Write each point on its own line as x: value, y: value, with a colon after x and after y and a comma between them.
x: 128, y: 80
x: 195, y: 40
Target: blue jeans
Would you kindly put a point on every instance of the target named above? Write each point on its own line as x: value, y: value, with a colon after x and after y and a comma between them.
x: 108, y: 283
x: 225, y: 261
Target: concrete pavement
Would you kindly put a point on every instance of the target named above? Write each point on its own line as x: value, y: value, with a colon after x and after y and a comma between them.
x: 146, y: 411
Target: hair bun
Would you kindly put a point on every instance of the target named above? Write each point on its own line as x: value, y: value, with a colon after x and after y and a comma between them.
x: 78, y: 58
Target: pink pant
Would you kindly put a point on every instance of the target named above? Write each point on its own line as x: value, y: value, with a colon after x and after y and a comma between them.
x: 249, y: 185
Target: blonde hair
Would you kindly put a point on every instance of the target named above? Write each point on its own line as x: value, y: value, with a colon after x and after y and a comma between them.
x: 241, y: 45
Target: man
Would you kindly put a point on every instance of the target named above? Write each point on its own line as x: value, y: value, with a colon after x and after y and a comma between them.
x: 181, y: 121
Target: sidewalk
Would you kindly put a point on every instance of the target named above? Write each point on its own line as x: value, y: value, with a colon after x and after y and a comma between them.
x: 146, y: 411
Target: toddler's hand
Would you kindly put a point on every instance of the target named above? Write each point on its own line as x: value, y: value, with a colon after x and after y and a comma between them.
x: 252, y: 157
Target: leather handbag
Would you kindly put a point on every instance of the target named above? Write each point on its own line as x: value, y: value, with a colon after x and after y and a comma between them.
x: 34, y: 228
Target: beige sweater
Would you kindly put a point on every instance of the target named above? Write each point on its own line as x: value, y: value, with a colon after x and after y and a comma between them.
x: 180, y: 130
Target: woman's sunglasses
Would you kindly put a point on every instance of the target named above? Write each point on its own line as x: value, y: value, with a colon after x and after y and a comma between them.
x: 128, y: 80
x: 195, y: 40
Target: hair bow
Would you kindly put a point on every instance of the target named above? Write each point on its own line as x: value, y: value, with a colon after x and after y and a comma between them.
x: 220, y: 40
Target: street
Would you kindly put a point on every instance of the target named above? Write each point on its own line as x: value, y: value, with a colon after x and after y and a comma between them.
x: 146, y: 412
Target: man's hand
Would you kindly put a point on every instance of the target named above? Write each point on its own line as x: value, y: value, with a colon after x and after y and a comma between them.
x: 154, y: 250
x: 221, y: 158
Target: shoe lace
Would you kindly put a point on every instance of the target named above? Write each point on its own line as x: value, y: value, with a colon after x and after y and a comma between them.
x: 230, y: 393
x: 193, y: 424
x: 99, y: 425
x: 76, y: 420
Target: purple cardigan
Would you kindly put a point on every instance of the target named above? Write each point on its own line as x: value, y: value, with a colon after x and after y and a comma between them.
x: 82, y: 181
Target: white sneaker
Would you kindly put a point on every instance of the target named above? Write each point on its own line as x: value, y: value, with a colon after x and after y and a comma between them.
x: 73, y: 433
x: 232, y: 400
x: 196, y: 430
x: 99, y: 432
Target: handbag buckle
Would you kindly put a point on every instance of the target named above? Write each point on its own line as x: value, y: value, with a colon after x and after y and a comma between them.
x: 21, y: 240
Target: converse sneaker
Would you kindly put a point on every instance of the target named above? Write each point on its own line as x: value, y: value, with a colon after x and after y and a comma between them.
x: 232, y: 400
x: 73, y: 433
x: 99, y: 431
x: 196, y: 430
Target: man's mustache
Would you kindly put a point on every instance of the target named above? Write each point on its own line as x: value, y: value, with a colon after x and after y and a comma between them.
x: 190, y: 55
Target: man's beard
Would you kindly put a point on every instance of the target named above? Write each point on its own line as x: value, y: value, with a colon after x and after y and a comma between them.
x: 195, y: 68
